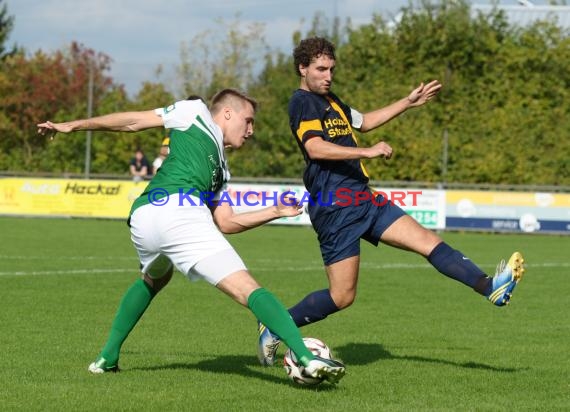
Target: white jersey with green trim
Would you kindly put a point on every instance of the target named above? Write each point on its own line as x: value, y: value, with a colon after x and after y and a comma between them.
x: 196, y: 165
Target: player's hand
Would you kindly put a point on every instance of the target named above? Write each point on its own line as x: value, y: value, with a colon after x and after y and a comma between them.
x: 288, y: 206
x: 49, y: 129
x: 381, y: 149
x: 424, y: 93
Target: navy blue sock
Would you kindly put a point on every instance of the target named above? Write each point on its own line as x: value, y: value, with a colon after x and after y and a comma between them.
x: 454, y: 264
x: 314, y: 307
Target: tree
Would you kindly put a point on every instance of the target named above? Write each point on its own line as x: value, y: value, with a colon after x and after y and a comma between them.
x: 222, y: 58
x: 504, y: 88
x: 41, y: 87
x: 272, y: 151
x: 112, y: 151
x: 505, y: 104
x: 6, y: 25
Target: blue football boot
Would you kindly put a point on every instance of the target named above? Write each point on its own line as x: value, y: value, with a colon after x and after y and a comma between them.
x: 506, y: 278
x: 267, y: 345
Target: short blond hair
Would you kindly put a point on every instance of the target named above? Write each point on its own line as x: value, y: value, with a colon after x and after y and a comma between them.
x: 233, y: 98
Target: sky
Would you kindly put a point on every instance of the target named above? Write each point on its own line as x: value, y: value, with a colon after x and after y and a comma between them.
x: 140, y: 35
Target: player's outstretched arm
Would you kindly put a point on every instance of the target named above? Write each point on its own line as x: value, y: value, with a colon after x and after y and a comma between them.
x: 419, y: 96
x: 230, y: 222
x: 319, y: 149
x: 122, y: 121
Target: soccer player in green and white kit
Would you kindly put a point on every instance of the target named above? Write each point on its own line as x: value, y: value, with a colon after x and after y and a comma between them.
x: 172, y: 226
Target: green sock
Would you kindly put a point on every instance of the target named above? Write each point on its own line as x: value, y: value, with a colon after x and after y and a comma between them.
x: 132, y: 306
x: 273, y: 314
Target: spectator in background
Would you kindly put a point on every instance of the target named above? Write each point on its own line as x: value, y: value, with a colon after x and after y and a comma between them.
x: 139, y: 166
x: 163, y: 152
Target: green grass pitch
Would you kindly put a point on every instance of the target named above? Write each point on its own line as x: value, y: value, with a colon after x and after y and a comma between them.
x: 413, y: 340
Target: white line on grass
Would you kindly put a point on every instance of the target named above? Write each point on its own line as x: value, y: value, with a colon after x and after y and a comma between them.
x: 368, y: 265
x: 257, y: 266
x: 13, y: 257
x: 63, y: 272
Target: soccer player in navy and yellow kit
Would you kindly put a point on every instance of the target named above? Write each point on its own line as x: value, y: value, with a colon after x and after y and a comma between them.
x: 324, y: 128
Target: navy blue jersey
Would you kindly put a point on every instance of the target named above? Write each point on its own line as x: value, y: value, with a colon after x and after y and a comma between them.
x: 328, y: 117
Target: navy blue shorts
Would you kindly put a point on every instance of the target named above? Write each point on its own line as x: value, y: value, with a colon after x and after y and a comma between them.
x: 340, y: 228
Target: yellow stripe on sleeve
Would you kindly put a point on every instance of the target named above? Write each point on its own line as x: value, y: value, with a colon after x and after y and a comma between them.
x: 308, y: 125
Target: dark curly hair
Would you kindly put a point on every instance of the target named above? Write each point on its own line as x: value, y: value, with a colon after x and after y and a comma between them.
x: 310, y: 49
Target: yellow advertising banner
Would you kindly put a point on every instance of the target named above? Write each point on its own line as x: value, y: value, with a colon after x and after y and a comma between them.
x: 496, y: 198
x: 527, y: 212
x: 68, y: 197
